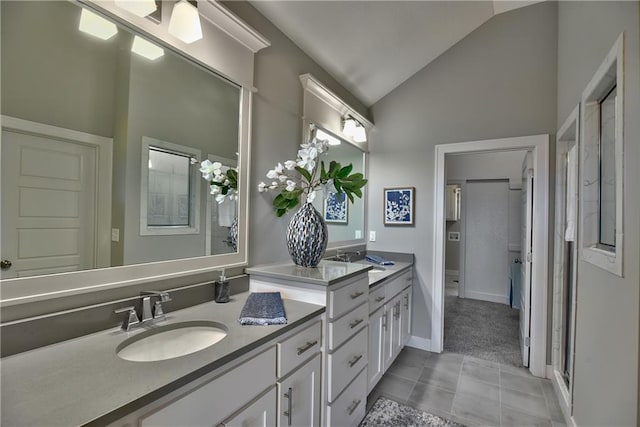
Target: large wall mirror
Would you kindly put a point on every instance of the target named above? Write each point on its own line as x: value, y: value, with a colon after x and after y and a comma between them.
x: 103, y: 130
x: 345, y: 220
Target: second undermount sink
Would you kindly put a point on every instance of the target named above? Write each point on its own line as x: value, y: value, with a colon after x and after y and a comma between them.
x: 171, y: 341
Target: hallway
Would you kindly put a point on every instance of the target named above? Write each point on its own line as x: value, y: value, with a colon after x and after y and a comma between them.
x: 481, y: 329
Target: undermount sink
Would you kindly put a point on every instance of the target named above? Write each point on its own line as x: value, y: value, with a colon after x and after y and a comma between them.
x: 171, y: 341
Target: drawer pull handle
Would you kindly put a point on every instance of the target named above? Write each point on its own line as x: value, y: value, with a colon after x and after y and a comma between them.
x: 353, y: 407
x: 289, y: 396
x: 379, y: 299
x: 356, y: 295
x: 384, y: 320
x: 406, y: 301
x: 355, y: 360
x: 408, y: 279
x: 355, y: 323
x: 306, y: 347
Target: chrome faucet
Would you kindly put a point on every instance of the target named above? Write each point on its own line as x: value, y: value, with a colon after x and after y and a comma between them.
x: 148, y: 315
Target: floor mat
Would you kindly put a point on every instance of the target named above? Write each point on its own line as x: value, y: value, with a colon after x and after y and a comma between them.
x: 389, y: 413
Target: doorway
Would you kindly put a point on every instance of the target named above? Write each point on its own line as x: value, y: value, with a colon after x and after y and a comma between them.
x: 539, y: 147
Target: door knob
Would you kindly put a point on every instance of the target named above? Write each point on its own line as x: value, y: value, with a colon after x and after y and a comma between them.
x: 5, y: 264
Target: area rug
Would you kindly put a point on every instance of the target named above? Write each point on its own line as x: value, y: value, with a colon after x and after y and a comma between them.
x: 388, y: 413
x: 486, y: 330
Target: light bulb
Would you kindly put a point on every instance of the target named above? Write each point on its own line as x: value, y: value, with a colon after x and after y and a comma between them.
x: 360, y: 134
x: 139, y: 8
x: 146, y: 49
x: 349, y: 127
x: 96, y: 25
x: 185, y: 22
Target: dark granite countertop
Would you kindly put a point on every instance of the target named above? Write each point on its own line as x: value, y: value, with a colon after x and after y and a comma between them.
x: 83, y: 381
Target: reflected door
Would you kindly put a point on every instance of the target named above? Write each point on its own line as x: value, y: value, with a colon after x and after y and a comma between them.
x: 48, y: 205
x: 525, y: 265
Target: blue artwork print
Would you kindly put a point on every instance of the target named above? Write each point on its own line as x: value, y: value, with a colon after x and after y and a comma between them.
x: 335, y: 208
x: 398, y: 206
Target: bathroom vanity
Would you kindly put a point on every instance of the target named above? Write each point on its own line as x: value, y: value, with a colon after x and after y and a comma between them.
x: 366, y: 324
x: 245, y: 376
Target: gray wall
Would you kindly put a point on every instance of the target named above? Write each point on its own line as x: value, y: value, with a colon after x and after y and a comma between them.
x: 277, y: 126
x: 606, y: 364
x: 499, y: 81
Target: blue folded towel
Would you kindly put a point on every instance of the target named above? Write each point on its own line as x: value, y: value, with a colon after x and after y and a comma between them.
x: 378, y: 260
x: 263, y: 308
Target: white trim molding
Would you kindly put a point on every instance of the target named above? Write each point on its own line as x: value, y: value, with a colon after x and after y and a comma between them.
x: 609, y: 74
x: 539, y: 145
x: 236, y: 28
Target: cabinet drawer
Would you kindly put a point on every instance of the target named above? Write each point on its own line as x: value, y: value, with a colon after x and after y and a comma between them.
x: 347, y: 325
x: 298, y: 348
x: 346, y: 362
x: 350, y: 407
x: 219, y: 398
x: 376, y: 298
x: 398, y: 284
x: 348, y: 297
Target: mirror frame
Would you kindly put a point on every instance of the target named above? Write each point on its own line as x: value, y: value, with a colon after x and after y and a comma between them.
x: 238, y: 42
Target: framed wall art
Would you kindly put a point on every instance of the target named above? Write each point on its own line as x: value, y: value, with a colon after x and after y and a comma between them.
x: 399, y: 205
x: 336, y: 208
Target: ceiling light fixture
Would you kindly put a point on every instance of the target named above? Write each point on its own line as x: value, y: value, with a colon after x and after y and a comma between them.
x: 349, y: 126
x: 146, y: 49
x: 185, y: 22
x: 96, y: 25
x: 360, y: 134
x: 139, y: 8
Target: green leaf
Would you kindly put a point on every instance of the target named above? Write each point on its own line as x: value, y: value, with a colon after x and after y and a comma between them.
x: 304, y: 173
x: 280, y: 201
x: 345, y: 171
x: 323, y: 172
x: 338, y: 185
x: 280, y: 212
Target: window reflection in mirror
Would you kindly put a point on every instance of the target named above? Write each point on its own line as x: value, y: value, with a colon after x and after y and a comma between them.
x: 345, y: 220
x: 57, y: 75
x: 607, y: 181
x: 169, y: 189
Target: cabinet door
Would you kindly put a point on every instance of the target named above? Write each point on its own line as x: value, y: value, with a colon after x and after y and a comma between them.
x: 387, y: 329
x: 405, y: 318
x: 299, y: 396
x: 396, y: 322
x: 259, y: 413
x: 375, y: 368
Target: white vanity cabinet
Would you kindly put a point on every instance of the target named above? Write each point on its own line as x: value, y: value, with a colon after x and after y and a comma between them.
x: 389, y: 324
x: 277, y: 384
x: 345, y: 342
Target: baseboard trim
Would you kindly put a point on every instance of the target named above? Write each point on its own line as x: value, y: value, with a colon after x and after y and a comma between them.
x: 484, y: 296
x: 419, y: 343
x: 451, y: 273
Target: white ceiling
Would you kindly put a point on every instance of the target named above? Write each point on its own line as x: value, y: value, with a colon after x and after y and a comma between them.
x: 371, y: 47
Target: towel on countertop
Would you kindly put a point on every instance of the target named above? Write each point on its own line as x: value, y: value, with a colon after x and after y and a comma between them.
x: 378, y: 260
x: 263, y: 308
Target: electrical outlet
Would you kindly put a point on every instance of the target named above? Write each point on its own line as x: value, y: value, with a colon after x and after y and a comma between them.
x: 372, y: 236
x: 115, y: 234
x: 358, y: 234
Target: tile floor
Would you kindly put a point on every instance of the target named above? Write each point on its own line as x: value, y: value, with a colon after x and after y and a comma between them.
x: 468, y: 390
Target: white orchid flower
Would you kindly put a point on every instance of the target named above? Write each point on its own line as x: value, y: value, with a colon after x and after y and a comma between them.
x: 290, y: 164
x: 214, y: 189
x: 274, y: 185
x: 291, y: 185
x: 220, y: 198
x: 262, y: 187
x: 311, y: 197
x: 279, y: 168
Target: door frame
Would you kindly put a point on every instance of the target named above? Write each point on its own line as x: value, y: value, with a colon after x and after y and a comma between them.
x: 103, y: 148
x: 539, y: 146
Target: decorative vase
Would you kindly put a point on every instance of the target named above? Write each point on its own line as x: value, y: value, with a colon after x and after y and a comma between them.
x: 307, y: 236
x: 233, y: 234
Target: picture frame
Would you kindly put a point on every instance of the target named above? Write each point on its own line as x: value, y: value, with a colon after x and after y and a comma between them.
x: 336, y: 208
x: 399, y: 206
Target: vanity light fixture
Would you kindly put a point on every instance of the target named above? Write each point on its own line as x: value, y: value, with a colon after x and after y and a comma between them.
x: 96, y: 25
x: 146, y: 49
x: 324, y: 136
x: 354, y: 129
x: 185, y: 22
x: 139, y: 8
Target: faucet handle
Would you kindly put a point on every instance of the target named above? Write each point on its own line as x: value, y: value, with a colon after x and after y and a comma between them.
x: 158, y: 312
x: 131, y: 320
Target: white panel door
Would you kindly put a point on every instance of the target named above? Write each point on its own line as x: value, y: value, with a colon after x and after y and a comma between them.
x: 526, y: 257
x: 486, y: 265
x: 48, y: 206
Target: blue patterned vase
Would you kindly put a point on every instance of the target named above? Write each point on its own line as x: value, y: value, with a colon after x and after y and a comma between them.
x: 307, y: 236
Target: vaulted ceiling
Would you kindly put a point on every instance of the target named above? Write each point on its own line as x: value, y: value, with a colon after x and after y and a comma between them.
x: 371, y: 47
